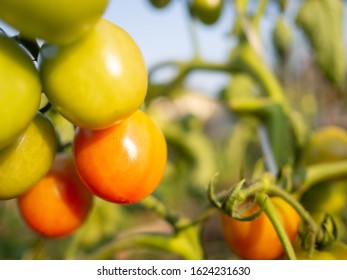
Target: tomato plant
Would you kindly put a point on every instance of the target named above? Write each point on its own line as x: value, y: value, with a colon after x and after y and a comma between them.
x: 95, y: 97
x: 31, y: 156
x: 251, y: 239
x: 123, y: 163
x: 58, y: 22
x: 148, y: 139
x: 20, y: 91
x: 59, y: 203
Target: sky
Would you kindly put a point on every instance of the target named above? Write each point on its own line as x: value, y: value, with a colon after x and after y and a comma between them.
x: 164, y: 35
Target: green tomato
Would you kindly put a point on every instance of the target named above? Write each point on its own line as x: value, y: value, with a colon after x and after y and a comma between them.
x: 20, y: 91
x: 97, y: 81
x: 327, y: 197
x: 160, y: 3
x: 208, y: 11
x: 25, y: 162
x: 338, y: 251
x: 327, y: 144
x: 55, y: 21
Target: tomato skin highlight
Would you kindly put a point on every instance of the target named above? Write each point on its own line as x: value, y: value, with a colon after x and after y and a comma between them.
x: 124, y: 163
x: 257, y: 239
x: 59, y: 203
x: 96, y: 81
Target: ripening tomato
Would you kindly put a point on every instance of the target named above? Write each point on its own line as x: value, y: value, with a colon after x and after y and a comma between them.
x: 55, y: 21
x: 257, y: 239
x: 208, y: 11
x: 96, y: 81
x: 58, y: 204
x: 28, y: 159
x: 20, y: 91
x: 124, y: 163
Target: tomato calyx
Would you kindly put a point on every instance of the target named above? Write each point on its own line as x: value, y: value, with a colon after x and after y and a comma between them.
x: 328, y: 235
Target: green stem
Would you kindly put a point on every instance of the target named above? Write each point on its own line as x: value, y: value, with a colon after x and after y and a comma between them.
x: 160, y: 209
x: 193, y: 36
x: 270, y: 211
x: 184, y: 243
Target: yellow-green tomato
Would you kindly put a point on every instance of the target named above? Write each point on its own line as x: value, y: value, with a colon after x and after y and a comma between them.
x: 338, y: 251
x: 97, y: 81
x: 160, y: 3
x: 327, y: 144
x: 330, y: 197
x: 55, y: 21
x: 20, y: 91
x: 26, y: 161
x: 208, y: 11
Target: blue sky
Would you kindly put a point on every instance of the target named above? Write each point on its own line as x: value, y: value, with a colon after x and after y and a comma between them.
x: 164, y: 35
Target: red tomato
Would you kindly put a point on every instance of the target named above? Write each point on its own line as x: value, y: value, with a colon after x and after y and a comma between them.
x: 124, y: 163
x: 59, y: 203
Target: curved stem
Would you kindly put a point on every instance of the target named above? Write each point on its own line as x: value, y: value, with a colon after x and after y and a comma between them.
x: 153, y: 204
x: 270, y: 211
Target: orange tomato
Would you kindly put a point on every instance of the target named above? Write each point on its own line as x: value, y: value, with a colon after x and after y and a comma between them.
x: 59, y: 203
x: 123, y: 163
x: 257, y: 239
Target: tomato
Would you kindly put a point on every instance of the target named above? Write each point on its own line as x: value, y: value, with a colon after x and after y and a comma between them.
x: 257, y: 239
x: 20, y: 91
x: 124, y: 163
x: 55, y: 21
x: 338, y: 251
x: 327, y: 144
x: 327, y: 197
x: 208, y: 11
x: 26, y: 161
x: 160, y: 3
x: 59, y: 203
x: 96, y: 81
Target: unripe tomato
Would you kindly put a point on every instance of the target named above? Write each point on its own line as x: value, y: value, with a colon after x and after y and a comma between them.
x: 327, y: 197
x: 124, y: 163
x: 327, y: 144
x: 208, y: 11
x: 20, y: 91
x: 160, y: 3
x: 257, y: 239
x: 28, y: 159
x: 58, y: 204
x: 55, y: 21
x: 338, y: 251
x: 96, y: 81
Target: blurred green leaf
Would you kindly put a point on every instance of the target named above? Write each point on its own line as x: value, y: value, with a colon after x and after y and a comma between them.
x: 322, y: 22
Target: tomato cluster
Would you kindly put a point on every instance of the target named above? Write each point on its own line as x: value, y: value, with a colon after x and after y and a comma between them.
x: 92, y: 73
